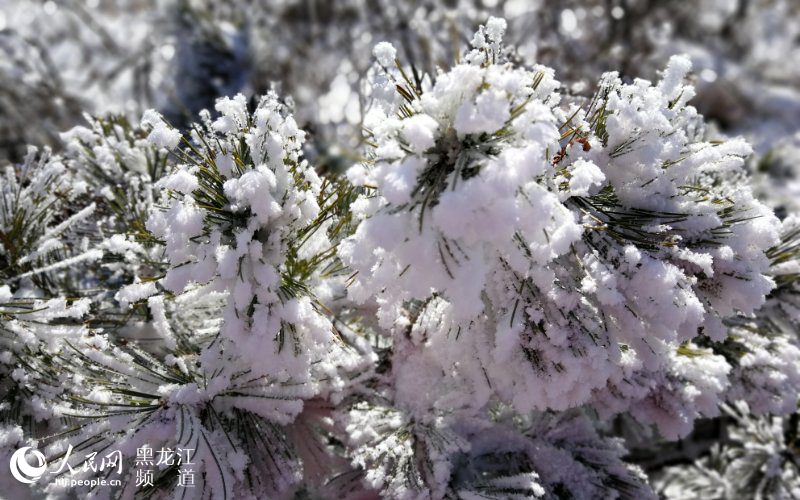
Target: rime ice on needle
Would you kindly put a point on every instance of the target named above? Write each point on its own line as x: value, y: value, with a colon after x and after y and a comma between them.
x: 238, y: 230
x: 528, y: 251
x: 221, y: 263
x: 385, y: 54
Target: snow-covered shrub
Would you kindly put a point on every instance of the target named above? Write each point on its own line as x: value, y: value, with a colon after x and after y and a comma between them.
x: 510, y: 264
x: 219, y: 257
x: 556, y: 253
x: 759, y: 461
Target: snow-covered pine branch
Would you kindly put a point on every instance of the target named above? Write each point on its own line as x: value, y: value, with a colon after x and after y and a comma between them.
x: 507, y: 268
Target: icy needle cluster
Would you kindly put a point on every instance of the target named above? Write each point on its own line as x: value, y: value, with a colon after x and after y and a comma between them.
x: 213, y: 264
x: 560, y: 255
x: 240, y: 221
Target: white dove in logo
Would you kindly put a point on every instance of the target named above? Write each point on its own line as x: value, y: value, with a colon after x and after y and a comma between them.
x: 22, y: 470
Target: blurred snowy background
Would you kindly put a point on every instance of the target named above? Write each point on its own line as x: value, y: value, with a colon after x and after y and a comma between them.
x: 60, y: 59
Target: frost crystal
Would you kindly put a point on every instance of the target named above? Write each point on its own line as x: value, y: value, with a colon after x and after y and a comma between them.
x: 385, y: 53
